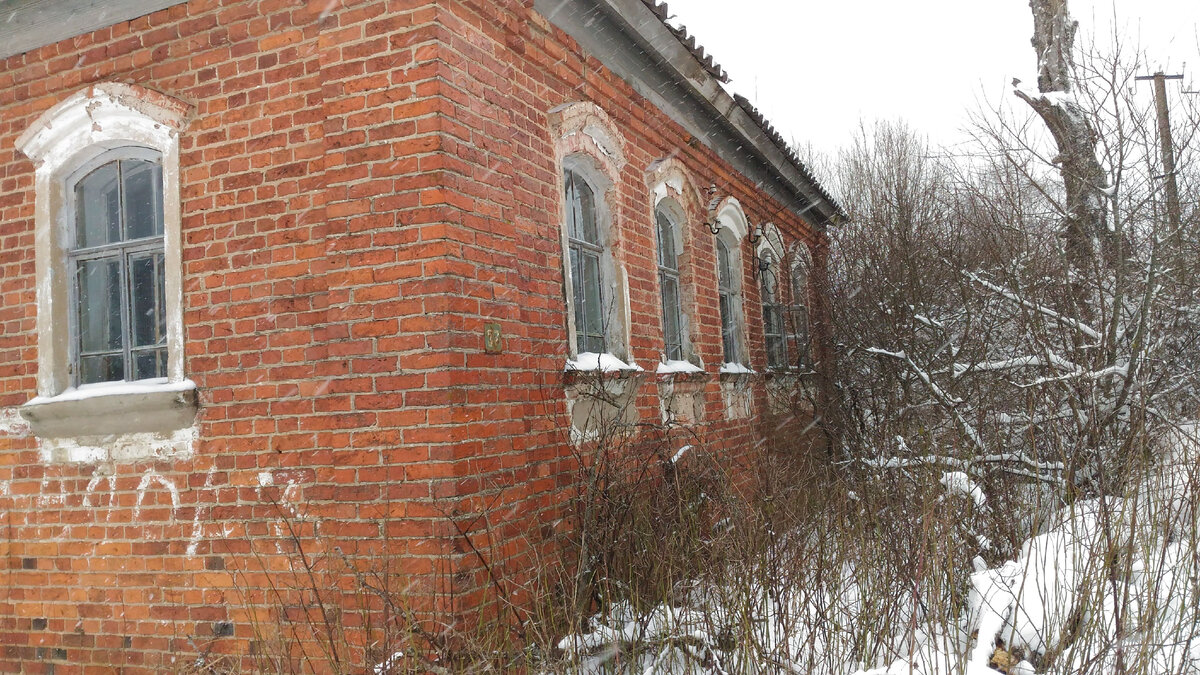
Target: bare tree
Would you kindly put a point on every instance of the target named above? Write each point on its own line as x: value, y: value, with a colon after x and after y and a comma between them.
x: 1013, y: 314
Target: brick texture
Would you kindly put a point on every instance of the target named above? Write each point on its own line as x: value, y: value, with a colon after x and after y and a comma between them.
x: 365, y: 184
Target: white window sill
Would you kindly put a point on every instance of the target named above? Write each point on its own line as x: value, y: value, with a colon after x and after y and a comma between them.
x: 113, y: 408
x: 735, y: 369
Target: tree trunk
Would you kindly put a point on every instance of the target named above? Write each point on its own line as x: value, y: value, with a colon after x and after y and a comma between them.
x: 1085, y: 224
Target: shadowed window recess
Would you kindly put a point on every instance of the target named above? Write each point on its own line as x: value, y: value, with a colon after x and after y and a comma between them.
x: 727, y: 298
x: 773, y: 329
x: 668, y: 283
x: 586, y: 252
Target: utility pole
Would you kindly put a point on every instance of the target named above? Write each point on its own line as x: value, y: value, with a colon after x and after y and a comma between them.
x: 1168, y: 159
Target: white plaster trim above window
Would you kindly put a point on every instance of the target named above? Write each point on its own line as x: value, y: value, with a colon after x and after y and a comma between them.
x: 669, y: 177
x: 589, y: 120
x: 101, y: 114
x: 730, y: 215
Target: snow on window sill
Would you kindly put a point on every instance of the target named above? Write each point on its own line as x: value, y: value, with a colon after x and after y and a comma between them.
x: 153, y: 385
x: 679, y: 371
x: 788, y: 373
x: 678, y: 367
x: 113, y: 408
x: 605, y: 363
x: 732, y: 373
x: 591, y: 364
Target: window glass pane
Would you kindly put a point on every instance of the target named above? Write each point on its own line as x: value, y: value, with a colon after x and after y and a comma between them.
x: 776, y: 358
x: 150, y: 363
x: 671, y: 320
x: 800, y: 331
x: 581, y: 209
x: 99, y: 305
x: 799, y: 285
x: 767, y: 279
x: 593, y: 319
x: 146, y: 289
x: 571, y: 198
x: 724, y: 273
x: 577, y: 297
x: 775, y: 320
x: 586, y: 296
x: 98, y: 207
x: 143, y: 198
x: 587, y: 212
x: 728, y: 331
x: 102, y: 368
x: 773, y: 331
x: 667, y: 256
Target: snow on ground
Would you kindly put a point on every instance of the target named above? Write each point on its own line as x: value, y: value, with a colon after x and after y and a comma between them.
x: 1108, y: 584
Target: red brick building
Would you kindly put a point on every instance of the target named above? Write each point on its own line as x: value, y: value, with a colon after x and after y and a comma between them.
x: 326, y: 273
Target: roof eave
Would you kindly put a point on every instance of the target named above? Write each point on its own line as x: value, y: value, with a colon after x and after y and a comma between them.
x: 634, y: 42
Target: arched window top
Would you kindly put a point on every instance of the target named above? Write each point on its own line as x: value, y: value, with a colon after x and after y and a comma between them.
x: 799, y: 254
x: 118, y: 197
x: 667, y: 226
x: 725, y: 266
x: 583, y: 128
x: 800, y: 264
x: 581, y: 209
x: 771, y: 243
x: 768, y: 280
x: 731, y: 217
x: 102, y: 117
x: 669, y: 180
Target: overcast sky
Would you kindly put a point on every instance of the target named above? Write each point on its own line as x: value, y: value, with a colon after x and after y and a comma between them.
x: 815, y: 68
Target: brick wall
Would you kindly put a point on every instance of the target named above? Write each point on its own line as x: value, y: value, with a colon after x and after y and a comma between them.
x: 365, y: 184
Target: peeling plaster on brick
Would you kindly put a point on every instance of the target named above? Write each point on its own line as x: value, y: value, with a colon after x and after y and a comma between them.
x: 12, y: 424
x: 119, y: 447
x: 47, y: 498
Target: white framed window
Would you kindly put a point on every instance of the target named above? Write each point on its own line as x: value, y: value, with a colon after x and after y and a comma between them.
x: 733, y: 228
x: 108, y: 264
x: 676, y: 208
x: 595, y: 284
